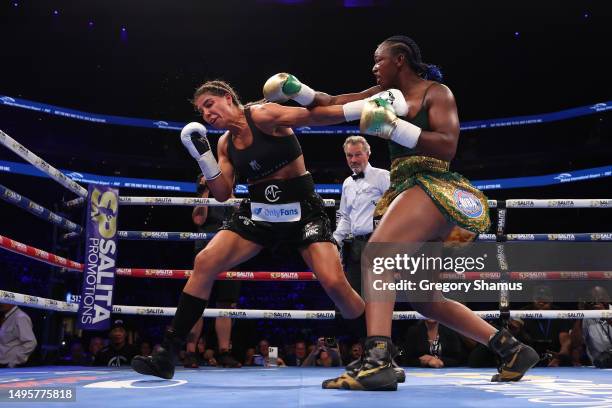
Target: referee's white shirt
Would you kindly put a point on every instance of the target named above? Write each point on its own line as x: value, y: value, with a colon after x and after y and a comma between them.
x: 359, y: 198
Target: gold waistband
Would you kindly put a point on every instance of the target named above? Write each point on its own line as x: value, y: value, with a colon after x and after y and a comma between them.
x: 414, y: 164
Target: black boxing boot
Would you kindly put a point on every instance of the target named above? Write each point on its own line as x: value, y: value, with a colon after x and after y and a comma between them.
x: 376, y: 372
x: 400, y: 374
x: 161, y: 362
x: 354, y: 366
x: 516, y: 357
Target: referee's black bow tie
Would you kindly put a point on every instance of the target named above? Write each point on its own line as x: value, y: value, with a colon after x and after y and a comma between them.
x: 358, y: 176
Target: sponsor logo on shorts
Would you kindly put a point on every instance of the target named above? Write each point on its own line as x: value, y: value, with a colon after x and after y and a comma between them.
x: 161, y: 123
x: 311, y: 230
x: 468, y: 203
x: 272, y: 193
x: 246, y: 220
x: 289, y: 212
x: 7, y: 99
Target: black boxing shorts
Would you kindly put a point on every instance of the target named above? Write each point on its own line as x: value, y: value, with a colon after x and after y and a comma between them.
x: 282, y: 211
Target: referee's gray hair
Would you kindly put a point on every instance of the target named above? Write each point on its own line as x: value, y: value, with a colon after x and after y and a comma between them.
x: 357, y: 139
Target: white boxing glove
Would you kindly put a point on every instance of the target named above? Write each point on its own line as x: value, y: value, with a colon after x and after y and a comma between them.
x: 394, y: 97
x: 193, y: 137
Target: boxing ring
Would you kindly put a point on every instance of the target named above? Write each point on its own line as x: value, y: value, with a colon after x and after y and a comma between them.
x: 287, y: 386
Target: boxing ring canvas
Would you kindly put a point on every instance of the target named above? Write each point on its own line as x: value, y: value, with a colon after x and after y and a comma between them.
x: 289, y: 387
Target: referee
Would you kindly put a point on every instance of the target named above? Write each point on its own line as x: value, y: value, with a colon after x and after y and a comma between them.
x: 360, y: 193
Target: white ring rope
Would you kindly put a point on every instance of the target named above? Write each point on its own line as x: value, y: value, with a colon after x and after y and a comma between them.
x: 41, y: 165
x: 190, y: 201
x: 57, y: 305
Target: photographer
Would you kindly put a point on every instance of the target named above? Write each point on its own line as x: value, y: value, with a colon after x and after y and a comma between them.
x: 595, y: 334
x: 549, y: 337
x: 325, y: 354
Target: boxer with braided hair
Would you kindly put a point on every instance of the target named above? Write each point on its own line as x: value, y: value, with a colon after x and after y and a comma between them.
x: 425, y: 202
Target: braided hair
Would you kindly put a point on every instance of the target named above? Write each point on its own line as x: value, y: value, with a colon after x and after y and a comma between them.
x: 401, y: 44
x: 218, y: 88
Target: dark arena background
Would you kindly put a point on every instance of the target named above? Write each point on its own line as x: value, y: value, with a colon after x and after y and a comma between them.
x: 101, y: 89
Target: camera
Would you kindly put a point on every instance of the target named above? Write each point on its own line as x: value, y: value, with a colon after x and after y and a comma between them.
x: 330, y: 342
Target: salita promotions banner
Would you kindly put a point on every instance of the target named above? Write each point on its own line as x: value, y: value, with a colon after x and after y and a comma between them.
x: 96, y: 302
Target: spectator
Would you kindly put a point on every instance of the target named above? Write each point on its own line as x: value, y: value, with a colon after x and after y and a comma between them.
x: 296, y: 359
x: 249, y: 356
x: 549, y: 337
x: 118, y: 352
x: 325, y: 354
x: 145, y: 348
x: 429, y: 344
x: 264, y: 355
x: 356, y: 351
x: 595, y: 334
x: 17, y: 340
x: 78, y: 356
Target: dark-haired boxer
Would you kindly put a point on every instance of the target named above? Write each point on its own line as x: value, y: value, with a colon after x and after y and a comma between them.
x: 282, y: 204
x: 426, y: 201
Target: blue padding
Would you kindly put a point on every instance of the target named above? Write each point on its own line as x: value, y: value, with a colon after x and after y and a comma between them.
x: 341, y: 130
x: 241, y: 189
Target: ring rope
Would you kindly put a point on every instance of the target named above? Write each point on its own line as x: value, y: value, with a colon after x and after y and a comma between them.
x: 39, y: 254
x: 38, y: 210
x: 57, y: 305
x: 41, y: 165
x: 191, y: 236
x: 190, y: 201
x: 56, y: 260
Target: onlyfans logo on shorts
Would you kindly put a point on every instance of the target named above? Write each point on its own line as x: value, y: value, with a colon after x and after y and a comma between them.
x: 272, y: 193
x: 277, y: 213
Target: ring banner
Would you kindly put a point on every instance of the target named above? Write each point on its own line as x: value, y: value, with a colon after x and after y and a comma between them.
x: 96, y: 302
